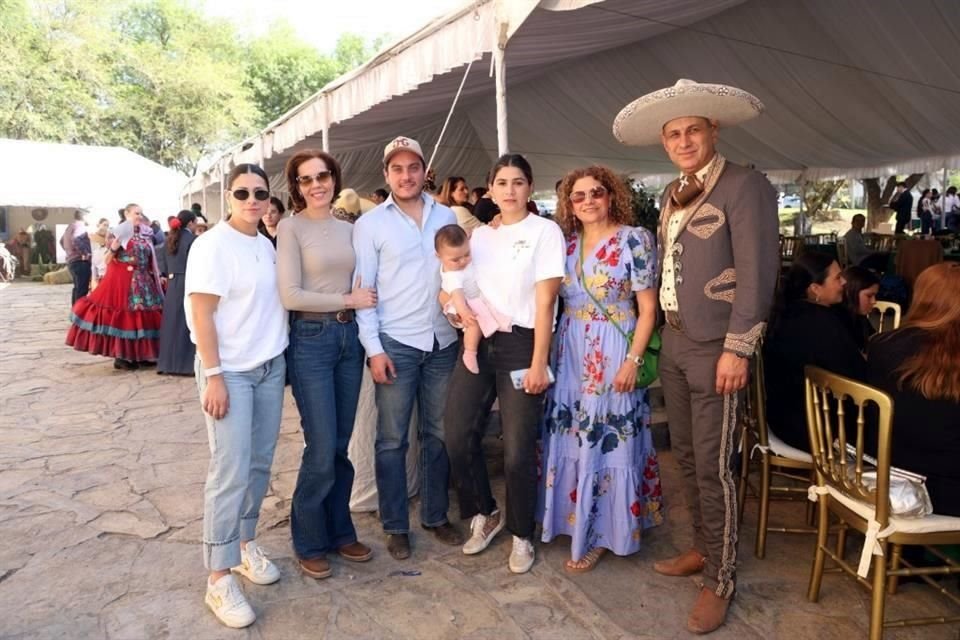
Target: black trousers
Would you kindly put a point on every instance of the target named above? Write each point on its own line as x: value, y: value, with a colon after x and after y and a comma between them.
x: 80, y: 270
x: 469, y: 400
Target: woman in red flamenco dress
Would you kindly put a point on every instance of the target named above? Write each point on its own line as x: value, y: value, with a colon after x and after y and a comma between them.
x: 121, y: 317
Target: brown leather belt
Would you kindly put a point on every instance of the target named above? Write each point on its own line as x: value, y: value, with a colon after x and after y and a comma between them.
x: 673, y: 320
x: 343, y: 316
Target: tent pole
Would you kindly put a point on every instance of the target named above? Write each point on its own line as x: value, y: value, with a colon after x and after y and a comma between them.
x: 500, y: 69
x: 325, y: 131
x: 223, y: 198
x: 203, y: 196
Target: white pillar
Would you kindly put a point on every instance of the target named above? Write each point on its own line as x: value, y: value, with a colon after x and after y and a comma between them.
x: 500, y: 71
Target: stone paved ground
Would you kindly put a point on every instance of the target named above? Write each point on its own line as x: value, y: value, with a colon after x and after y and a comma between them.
x: 100, y: 519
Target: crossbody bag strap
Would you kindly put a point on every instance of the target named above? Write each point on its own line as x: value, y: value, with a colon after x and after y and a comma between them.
x: 583, y: 283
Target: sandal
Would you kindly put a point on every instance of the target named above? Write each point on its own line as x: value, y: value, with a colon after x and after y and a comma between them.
x: 586, y: 563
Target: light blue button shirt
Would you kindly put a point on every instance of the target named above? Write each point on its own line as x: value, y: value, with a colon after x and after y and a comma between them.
x: 398, y: 258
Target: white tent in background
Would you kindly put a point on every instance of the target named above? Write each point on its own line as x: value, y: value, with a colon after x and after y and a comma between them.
x: 44, y: 183
x: 856, y: 88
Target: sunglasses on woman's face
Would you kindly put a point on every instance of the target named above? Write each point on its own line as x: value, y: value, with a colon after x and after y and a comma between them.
x: 596, y: 193
x: 305, y: 181
x: 243, y: 194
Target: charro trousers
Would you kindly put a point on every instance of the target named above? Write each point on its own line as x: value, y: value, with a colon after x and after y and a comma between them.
x: 703, y: 434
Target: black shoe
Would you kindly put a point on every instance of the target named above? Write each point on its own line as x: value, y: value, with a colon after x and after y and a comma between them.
x: 398, y: 544
x: 447, y: 534
x: 124, y: 365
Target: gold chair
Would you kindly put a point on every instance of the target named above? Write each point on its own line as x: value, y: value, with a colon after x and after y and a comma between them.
x: 777, y: 459
x: 840, y: 490
x: 883, y: 308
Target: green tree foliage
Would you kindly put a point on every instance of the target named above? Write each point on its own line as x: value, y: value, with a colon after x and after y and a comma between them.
x: 282, y: 71
x: 155, y: 76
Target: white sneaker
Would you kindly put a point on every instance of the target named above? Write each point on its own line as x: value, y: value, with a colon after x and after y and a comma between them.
x: 226, y: 600
x: 482, y: 531
x: 521, y: 558
x: 255, y: 566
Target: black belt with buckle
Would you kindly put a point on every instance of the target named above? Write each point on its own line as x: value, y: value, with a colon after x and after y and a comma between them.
x: 343, y: 316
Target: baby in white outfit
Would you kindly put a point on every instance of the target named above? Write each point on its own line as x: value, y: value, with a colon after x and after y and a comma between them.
x: 458, y: 280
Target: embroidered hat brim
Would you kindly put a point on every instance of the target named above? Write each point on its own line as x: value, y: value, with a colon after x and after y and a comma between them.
x: 641, y: 122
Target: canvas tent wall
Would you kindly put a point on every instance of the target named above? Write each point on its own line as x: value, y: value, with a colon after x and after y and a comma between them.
x: 858, y: 88
x: 43, y: 182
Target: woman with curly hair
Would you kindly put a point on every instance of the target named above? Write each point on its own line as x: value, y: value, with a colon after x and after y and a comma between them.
x: 601, y: 479
x: 919, y: 366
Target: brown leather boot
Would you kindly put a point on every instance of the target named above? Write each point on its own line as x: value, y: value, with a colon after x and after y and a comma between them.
x: 708, y: 613
x: 685, y: 564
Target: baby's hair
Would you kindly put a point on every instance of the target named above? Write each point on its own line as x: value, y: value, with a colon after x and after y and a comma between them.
x: 450, y: 235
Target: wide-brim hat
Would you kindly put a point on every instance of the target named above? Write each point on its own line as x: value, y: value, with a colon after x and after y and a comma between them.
x: 352, y: 203
x: 641, y: 122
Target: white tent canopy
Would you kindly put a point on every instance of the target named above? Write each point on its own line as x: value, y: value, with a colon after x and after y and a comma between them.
x: 856, y: 88
x: 99, y: 180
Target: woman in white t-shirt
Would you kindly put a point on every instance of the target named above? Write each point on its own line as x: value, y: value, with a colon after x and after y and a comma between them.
x: 236, y: 320
x: 519, y: 266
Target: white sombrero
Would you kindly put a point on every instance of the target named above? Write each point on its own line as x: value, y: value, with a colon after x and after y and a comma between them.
x: 641, y: 122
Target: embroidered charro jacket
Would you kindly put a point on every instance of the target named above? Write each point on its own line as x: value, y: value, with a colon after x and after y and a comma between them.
x: 725, y: 257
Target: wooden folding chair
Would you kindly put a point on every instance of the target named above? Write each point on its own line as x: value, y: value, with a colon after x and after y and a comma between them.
x: 776, y: 459
x: 840, y: 491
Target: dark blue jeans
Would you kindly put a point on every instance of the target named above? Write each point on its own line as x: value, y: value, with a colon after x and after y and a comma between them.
x: 421, y: 376
x: 80, y: 272
x: 325, y: 361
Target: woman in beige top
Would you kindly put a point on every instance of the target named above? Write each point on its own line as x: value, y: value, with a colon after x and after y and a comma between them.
x: 456, y: 195
x: 315, y: 263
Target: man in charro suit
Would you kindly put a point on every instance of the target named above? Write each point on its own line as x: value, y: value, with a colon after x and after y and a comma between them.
x: 719, y: 260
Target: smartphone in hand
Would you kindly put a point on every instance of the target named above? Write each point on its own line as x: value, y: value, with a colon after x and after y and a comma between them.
x: 516, y: 377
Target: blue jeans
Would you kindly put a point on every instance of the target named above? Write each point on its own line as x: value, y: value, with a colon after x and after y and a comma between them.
x: 241, y: 453
x: 325, y: 361
x: 421, y: 376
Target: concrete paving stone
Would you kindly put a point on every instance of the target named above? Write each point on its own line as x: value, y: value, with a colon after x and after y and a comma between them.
x: 177, y: 505
x: 101, y: 477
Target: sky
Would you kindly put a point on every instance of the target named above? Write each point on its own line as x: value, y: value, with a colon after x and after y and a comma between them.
x: 321, y: 22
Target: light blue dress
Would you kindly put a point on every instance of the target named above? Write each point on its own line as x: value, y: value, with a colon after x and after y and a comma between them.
x: 600, y: 478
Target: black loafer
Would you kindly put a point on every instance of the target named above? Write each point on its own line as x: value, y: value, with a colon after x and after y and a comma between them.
x: 447, y: 534
x: 398, y: 544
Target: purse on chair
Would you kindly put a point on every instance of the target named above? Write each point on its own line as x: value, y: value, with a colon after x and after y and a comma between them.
x: 647, y: 371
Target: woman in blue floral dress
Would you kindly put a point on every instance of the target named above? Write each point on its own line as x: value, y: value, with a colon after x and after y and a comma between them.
x: 601, y: 482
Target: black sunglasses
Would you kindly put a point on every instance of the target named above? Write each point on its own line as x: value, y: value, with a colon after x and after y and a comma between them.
x: 243, y: 194
x: 323, y: 176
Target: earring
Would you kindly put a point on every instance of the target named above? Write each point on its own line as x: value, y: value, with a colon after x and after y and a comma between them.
x: 817, y: 299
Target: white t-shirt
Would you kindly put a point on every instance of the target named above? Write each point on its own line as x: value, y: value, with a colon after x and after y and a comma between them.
x: 465, y: 279
x: 511, y: 259
x: 251, y: 322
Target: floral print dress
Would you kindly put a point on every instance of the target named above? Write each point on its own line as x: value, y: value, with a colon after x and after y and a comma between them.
x: 601, y: 481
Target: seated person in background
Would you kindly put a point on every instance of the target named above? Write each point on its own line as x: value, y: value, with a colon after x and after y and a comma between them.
x: 860, y: 290
x: 853, y: 240
x: 919, y: 366
x: 804, y: 330
x: 378, y: 196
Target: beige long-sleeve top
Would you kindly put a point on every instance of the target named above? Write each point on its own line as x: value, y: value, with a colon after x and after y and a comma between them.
x: 315, y: 262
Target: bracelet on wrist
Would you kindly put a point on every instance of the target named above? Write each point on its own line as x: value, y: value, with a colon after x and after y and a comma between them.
x: 212, y: 371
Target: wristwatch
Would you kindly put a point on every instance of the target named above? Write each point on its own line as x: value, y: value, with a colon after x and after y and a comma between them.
x: 637, y: 360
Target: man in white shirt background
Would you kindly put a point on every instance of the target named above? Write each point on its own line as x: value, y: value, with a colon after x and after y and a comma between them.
x: 411, y: 348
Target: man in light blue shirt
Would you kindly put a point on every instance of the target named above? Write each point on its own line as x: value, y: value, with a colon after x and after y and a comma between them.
x: 411, y: 348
